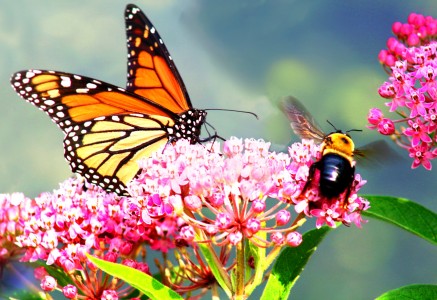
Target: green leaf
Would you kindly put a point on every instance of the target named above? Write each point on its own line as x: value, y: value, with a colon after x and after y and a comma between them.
x: 404, y: 213
x: 410, y: 292
x: 216, y: 268
x: 290, y: 263
x: 137, y: 279
x: 23, y: 294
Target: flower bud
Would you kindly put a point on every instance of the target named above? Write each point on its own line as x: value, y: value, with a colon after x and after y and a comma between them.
x: 386, y: 127
x: 48, y: 283
x: 294, y: 239
x: 69, y: 291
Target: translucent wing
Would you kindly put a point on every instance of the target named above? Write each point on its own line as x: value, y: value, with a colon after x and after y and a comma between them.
x: 151, y: 70
x: 301, y: 121
x: 376, y: 154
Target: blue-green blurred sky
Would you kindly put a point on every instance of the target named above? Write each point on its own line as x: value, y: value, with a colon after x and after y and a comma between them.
x: 241, y: 55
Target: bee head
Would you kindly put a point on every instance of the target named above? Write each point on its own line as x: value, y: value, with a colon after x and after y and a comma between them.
x: 339, y: 142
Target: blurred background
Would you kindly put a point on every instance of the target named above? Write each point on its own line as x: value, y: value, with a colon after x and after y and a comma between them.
x: 242, y: 55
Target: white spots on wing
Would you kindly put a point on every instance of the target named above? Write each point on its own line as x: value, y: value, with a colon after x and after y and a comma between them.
x: 91, y: 85
x: 82, y: 91
x: 30, y: 74
x: 65, y: 81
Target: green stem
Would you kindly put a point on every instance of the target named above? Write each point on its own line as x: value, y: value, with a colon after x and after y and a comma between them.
x: 240, y: 268
x: 215, y: 292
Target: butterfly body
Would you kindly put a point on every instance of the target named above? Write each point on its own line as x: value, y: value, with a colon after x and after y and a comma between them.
x: 108, y: 128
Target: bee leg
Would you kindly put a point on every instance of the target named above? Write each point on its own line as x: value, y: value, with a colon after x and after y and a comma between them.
x: 349, y: 189
x: 310, y: 178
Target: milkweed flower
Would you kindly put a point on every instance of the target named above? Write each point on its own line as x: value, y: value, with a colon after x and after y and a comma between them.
x: 59, y: 228
x: 411, y: 90
x: 184, y: 195
x: 239, y: 193
x: 14, y: 208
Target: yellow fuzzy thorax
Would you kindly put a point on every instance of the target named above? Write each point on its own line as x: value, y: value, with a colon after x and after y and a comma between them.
x: 339, y: 143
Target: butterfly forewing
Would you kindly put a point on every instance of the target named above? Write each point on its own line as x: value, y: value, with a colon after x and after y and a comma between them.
x: 69, y: 99
x: 151, y: 70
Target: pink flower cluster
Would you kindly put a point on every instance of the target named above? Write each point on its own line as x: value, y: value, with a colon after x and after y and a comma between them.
x: 60, y: 227
x: 234, y: 195
x: 184, y: 195
x: 411, y: 91
x: 419, y: 30
x: 10, y: 215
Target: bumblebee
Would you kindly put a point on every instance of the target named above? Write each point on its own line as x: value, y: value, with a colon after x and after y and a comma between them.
x: 337, y: 165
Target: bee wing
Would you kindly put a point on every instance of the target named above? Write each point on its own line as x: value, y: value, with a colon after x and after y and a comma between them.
x: 376, y: 153
x: 301, y: 121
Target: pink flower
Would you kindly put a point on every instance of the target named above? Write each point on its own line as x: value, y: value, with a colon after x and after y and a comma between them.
x: 411, y: 62
x: 418, y: 132
x: 422, y: 156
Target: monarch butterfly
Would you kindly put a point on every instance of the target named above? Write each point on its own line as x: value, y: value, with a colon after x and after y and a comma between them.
x: 108, y: 128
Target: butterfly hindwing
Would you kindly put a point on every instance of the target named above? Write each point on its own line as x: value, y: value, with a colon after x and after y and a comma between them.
x: 151, y: 70
x: 106, y: 150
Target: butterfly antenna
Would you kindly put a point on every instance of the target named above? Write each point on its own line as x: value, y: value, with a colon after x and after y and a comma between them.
x: 234, y: 110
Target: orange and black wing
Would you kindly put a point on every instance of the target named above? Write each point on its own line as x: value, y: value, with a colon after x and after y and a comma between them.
x: 107, y: 129
x: 151, y: 70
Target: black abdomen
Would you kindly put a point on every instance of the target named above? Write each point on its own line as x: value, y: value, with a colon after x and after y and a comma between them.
x: 336, y: 174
